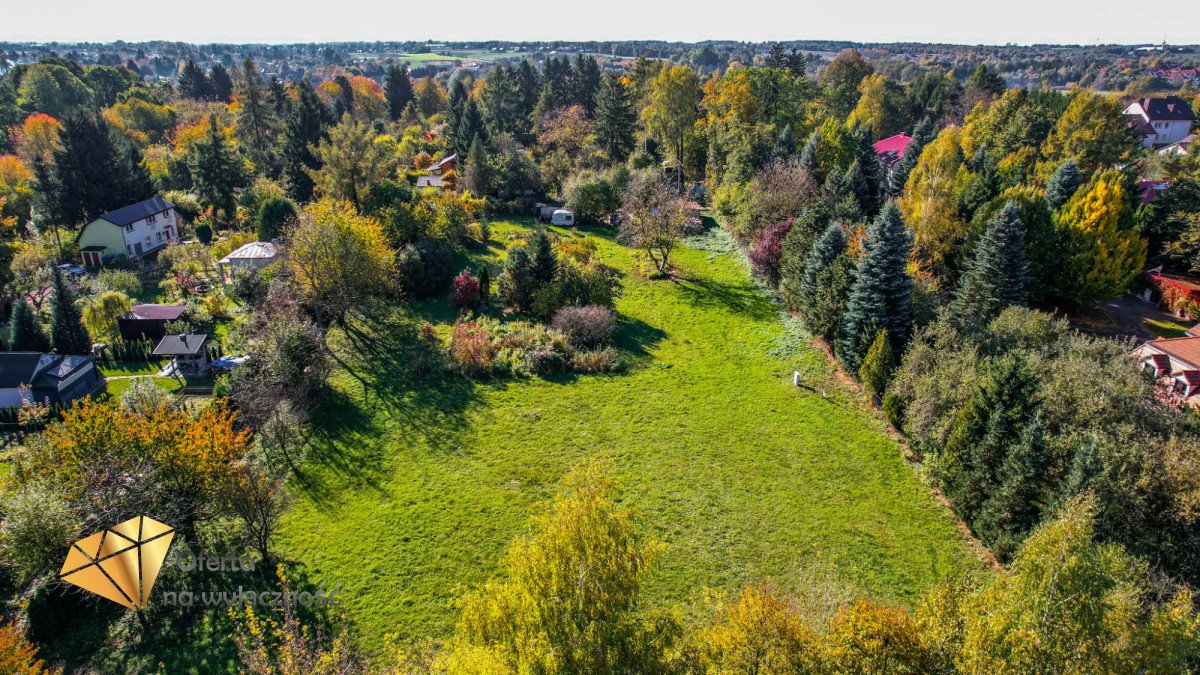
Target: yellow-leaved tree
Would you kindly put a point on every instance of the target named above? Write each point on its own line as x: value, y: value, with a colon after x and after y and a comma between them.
x: 338, y: 259
x: 930, y: 205
x: 882, y: 107
x: 1092, y: 130
x: 1104, y: 251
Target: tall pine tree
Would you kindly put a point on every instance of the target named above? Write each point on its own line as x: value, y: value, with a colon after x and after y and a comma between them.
x: 398, y: 91
x: 1063, y: 184
x: 615, y: 119
x: 256, y: 123
x: 305, y: 128
x: 193, y: 83
x: 998, y: 275
x: 216, y: 170
x: 470, y: 127
x: 95, y: 173
x: 221, y: 84
x: 24, y: 332
x: 879, y: 297
x: 544, y: 262
x: 67, y: 334
x: 822, y: 288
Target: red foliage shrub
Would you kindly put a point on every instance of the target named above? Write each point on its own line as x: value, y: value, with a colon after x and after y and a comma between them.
x: 464, y: 292
x: 472, y: 349
x: 767, y: 250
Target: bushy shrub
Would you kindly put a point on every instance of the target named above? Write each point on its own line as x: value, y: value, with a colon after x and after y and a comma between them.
x: 595, y: 360
x: 204, y: 233
x: 767, y: 251
x: 274, y: 214
x: 893, y: 409
x: 576, y: 285
x: 587, y: 326
x: 423, y: 269
x: 464, y: 292
x: 472, y: 349
x: 878, y: 364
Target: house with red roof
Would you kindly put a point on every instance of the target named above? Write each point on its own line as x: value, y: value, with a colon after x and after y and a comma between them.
x: 891, y: 149
x: 1175, y: 363
x: 1161, y: 121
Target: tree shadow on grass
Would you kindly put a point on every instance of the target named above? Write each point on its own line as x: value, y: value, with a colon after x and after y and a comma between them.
x: 745, y: 299
x: 636, y: 339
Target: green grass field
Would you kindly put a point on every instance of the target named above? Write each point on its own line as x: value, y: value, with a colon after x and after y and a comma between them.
x: 1168, y: 329
x: 416, y: 484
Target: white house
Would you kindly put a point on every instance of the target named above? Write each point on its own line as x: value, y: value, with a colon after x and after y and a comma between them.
x: 1161, y: 121
x: 1175, y: 361
x: 129, y: 232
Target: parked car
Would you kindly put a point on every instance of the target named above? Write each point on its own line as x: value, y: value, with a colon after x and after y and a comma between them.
x: 69, y: 268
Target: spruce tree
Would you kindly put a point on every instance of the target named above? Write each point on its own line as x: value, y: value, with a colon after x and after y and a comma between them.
x: 879, y: 297
x: 485, y: 285
x: 216, y: 170
x: 67, y: 334
x: 398, y: 91
x: 545, y: 263
x: 785, y: 145
x: 470, y: 127
x: 455, y: 103
x: 969, y: 466
x: 1015, y: 507
x: 221, y: 84
x: 24, y: 332
x: 476, y: 172
x: 193, y: 83
x: 1063, y: 184
x: 809, y: 159
x: 94, y: 173
x: 256, y: 123
x: 822, y: 287
x: 998, y: 275
x: 305, y: 128
x: 615, y: 119
x: 870, y: 193
x: 529, y: 84
x: 502, y: 103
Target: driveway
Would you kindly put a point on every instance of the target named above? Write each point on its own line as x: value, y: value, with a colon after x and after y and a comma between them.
x: 1130, y: 314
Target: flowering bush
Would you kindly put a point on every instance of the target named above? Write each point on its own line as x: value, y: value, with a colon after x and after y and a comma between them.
x: 464, y: 292
x: 588, y: 326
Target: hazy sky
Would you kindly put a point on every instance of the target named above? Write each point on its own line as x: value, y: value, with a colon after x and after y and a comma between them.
x: 961, y: 21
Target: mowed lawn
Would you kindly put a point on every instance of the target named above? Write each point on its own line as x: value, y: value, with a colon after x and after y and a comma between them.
x: 417, y: 484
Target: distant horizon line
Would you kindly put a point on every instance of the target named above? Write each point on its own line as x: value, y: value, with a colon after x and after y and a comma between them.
x: 848, y: 41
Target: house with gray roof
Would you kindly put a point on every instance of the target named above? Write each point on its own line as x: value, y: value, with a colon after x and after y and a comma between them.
x: 129, y: 232
x: 33, y: 377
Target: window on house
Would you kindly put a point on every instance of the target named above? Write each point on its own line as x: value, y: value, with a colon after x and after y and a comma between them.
x: 129, y: 248
x: 153, y: 217
x: 159, y: 237
x: 147, y: 240
x: 129, y: 227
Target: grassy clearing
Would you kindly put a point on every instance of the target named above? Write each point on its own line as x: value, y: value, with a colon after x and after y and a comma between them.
x: 1168, y: 329
x: 418, y: 483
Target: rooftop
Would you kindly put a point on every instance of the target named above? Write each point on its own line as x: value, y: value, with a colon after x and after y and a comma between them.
x: 893, y: 147
x: 154, y: 312
x: 1186, y: 349
x: 135, y: 212
x: 1166, y: 108
x: 180, y: 345
x: 255, y: 250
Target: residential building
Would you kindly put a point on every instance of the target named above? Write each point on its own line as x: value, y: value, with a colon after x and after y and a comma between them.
x: 147, y: 321
x: 1174, y: 362
x: 33, y: 377
x: 249, y: 258
x: 891, y: 149
x: 448, y: 163
x: 1181, y: 148
x: 130, y: 232
x: 1161, y: 121
x: 187, y: 352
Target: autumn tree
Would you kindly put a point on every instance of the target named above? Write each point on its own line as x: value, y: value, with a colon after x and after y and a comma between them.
x: 569, y: 601
x: 1103, y: 252
x: 840, y: 81
x: 350, y: 160
x: 930, y: 205
x: 17, y: 655
x: 337, y: 259
x: 1092, y: 131
x: 671, y: 110
x: 760, y: 632
x: 653, y: 216
x: 101, y: 312
x: 882, y: 107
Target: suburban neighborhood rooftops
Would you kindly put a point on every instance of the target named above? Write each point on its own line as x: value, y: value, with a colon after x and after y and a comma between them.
x: 255, y: 250
x: 154, y: 312
x: 180, y: 345
x: 135, y: 212
x: 1167, y: 108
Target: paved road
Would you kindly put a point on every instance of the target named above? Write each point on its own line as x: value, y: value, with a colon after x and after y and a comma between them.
x: 1129, y: 313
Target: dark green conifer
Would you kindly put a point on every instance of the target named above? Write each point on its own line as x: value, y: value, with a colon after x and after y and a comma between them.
x: 998, y: 275
x: 67, y: 334
x: 1063, y: 184
x: 24, y: 332
x: 879, y: 297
